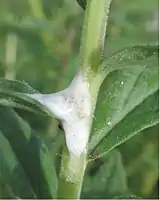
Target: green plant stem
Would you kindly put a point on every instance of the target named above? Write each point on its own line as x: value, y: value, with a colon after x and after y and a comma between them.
x: 91, y: 50
x: 92, y: 42
x: 37, y: 11
x: 10, y: 56
x: 36, y: 8
x: 71, y: 175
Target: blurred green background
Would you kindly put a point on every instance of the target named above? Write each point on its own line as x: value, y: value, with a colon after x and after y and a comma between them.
x: 39, y: 43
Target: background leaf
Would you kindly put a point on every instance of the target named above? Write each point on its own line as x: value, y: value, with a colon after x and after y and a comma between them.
x: 17, y: 182
x: 5, y: 190
x: 40, y: 171
x: 129, y: 196
x: 105, y: 177
x: 82, y: 3
x: 141, y: 162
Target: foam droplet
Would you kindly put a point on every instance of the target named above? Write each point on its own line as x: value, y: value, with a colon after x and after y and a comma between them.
x: 122, y: 82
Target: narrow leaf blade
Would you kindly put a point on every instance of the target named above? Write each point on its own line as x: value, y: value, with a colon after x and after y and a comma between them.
x: 31, y: 153
x: 15, y: 94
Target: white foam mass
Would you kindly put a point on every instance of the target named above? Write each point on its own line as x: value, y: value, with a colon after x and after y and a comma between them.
x: 73, y: 107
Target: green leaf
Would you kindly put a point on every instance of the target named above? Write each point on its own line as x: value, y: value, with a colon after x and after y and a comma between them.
x: 130, y: 55
x: 106, y: 179
x: 17, y: 182
x: 127, y: 196
x: 5, y: 174
x: 5, y: 190
x: 30, y: 152
x: 18, y: 86
x: 13, y: 94
x: 127, y: 101
x: 141, y: 162
x: 82, y: 3
x: 28, y: 32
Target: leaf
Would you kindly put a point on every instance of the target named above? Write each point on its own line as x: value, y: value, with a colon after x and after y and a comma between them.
x: 127, y: 102
x: 127, y: 196
x: 13, y: 94
x: 18, y: 182
x: 31, y: 153
x: 130, y: 55
x: 141, y: 162
x: 28, y: 32
x: 5, y: 190
x: 82, y: 3
x: 17, y: 86
x: 5, y: 173
x: 107, y: 180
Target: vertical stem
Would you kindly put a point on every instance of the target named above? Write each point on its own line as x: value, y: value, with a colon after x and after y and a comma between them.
x: 10, y: 56
x: 37, y: 11
x: 36, y: 7
x: 71, y: 175
x: 73, y: 167
x: 92, y: 42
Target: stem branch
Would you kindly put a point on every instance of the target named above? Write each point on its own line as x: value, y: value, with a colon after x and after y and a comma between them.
x: 10, y: 56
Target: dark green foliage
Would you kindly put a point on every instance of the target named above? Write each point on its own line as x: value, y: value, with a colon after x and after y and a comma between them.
x: 31, y: 153
x: 129, y: 196
x: 128, y: 98
x: 14, y: 94
x: 141, y: 162
x: 106, y: 179
x: 82, y: 3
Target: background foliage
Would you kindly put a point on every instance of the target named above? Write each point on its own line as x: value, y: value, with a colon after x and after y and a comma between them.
x: 39, y: 43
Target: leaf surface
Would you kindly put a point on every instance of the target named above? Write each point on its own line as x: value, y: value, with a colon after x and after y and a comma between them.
x: 31, y: 153
x: 128, y: 99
